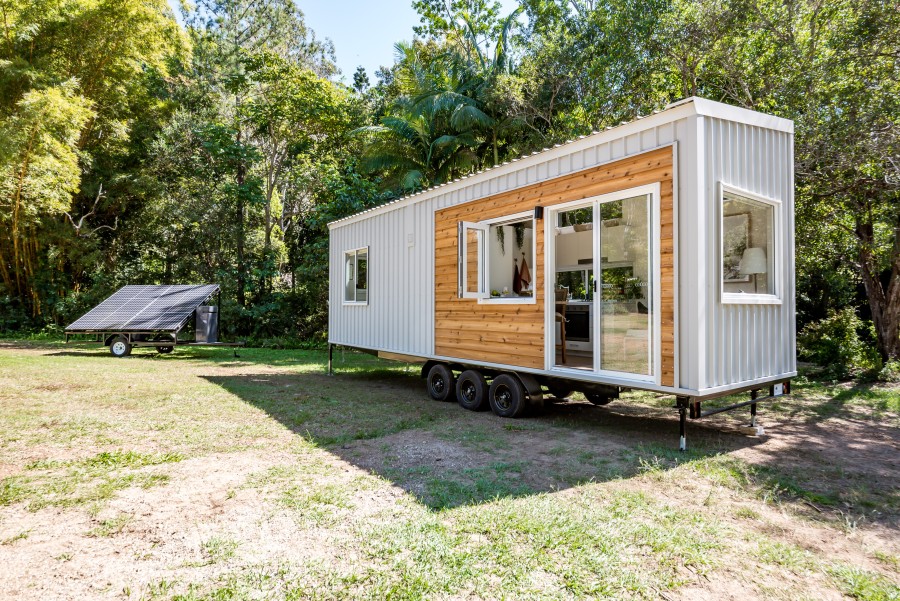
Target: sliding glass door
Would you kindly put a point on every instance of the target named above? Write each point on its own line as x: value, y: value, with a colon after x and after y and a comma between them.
x: 604, y: 285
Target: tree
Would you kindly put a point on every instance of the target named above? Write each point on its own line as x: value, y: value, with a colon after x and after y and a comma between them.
x: 360, y: 80
x: 291, y: 112
x: 39, y: 173
x: 97, y: 56
x: 414, y: 147
x: 472, y: 97
x: 226, y: 32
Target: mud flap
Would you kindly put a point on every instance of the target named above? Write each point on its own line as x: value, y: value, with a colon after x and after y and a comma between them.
x: 534, y: 392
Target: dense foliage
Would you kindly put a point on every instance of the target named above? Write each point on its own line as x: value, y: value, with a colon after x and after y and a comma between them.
x: 134, y: 149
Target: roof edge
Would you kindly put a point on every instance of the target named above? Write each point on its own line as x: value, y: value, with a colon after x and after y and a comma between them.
x: 729, y: 112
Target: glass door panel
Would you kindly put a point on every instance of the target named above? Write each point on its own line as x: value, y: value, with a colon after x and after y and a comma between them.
x: 573, y: 288
x: 625, y: 303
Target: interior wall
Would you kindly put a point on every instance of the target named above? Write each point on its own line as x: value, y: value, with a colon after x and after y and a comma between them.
x: 503, y: 260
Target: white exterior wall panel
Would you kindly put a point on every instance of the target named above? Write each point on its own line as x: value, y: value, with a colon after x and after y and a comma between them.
x: 745, y: 342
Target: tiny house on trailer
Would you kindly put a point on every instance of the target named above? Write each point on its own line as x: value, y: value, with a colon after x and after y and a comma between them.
x: 655, y: 255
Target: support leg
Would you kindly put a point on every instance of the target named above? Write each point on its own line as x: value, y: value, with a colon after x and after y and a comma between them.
x: 753, y: 395
x: 682, y: 404
x: 330, y: 356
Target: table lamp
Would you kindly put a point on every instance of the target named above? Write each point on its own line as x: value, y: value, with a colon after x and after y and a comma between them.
x: 753, y: 262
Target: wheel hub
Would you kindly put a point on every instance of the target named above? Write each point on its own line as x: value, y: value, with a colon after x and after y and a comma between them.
x: 469, y: 392
x: 438, y: 384
x: 503, y: 398
x: 118, y: 348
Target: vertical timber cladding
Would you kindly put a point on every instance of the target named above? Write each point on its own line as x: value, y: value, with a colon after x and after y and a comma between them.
x: 513, y: 334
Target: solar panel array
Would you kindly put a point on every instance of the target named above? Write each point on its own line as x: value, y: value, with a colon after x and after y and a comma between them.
x: 145, y: 309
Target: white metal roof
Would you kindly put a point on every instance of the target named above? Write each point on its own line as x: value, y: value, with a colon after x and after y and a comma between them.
x: 673, y: 112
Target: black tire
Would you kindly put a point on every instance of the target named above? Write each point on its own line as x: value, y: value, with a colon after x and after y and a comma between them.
x: 507, y: 396
x: 559, y: 391
x: 164, y: 350
x: 440, y: 383
x: 472, y: 391
x: 119, y: 346
x: 598, y: 399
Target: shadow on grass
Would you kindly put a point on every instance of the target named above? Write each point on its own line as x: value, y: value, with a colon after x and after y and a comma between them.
x: 381, y: 420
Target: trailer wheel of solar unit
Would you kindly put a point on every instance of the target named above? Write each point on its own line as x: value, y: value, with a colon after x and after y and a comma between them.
x: 120, y: 347
x: 472, y: 391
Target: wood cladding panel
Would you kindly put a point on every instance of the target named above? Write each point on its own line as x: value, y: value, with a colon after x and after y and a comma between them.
x: 514, y: 334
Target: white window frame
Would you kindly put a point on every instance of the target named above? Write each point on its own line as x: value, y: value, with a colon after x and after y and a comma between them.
x: 484, y: 294
x: 355, y: 252
x: 463, y: 267
x: 745, y: 298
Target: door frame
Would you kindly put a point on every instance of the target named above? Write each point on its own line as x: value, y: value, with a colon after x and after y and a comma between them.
x: 653, y: 190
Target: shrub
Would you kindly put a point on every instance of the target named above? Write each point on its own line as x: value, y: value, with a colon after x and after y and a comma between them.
x: 834, y: 343
x: 890, y: 372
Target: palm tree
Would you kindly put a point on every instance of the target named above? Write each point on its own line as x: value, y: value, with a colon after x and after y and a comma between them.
x: 415, y: 149
x: 447, y: 117
x: 470, y: 100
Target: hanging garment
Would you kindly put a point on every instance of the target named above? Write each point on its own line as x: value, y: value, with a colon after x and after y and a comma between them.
x: 524, y: 274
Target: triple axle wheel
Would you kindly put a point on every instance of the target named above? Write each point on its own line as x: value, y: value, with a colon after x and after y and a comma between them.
x: 506, y: 395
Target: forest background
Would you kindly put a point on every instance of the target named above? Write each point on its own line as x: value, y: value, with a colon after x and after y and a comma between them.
x: 140, y: 148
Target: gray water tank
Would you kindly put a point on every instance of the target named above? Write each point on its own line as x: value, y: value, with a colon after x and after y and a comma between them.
x: 207, y: 328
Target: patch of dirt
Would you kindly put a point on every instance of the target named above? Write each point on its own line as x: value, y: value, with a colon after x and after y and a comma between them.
x: 419, y: 454
x: 63, y: 556
x: 761, y: 583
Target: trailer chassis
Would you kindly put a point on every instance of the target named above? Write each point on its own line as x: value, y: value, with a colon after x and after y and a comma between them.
x: 600, y: 394
x: 136, y: 339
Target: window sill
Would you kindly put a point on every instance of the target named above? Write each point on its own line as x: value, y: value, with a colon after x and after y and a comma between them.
x: 507, y: 301
x: 732, y: 298
x: 355, y: 304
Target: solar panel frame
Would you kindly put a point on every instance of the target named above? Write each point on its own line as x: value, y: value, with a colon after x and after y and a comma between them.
x: 142, y: 308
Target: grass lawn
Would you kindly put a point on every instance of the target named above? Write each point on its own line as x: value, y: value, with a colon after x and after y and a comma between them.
x: 198, y: 475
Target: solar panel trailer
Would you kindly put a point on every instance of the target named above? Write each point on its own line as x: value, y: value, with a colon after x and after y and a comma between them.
x: 152, y: 316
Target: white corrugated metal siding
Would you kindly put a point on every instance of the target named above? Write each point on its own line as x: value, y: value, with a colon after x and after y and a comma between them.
x: 743, y: 343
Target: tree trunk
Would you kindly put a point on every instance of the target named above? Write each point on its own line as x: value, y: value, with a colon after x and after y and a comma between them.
x: 240, y: 176
x: 496, y: 152
x: 884, y: 304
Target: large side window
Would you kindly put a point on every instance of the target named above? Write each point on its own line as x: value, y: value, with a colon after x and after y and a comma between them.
x: 749, y: 250
x: 496, y: 259
x: 356, y: 276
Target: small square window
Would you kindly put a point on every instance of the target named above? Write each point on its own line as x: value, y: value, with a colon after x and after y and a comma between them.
x: 356, y: 276
x: 749, y: 253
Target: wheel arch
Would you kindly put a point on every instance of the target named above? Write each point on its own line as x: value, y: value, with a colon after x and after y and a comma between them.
x: 112, y: 336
